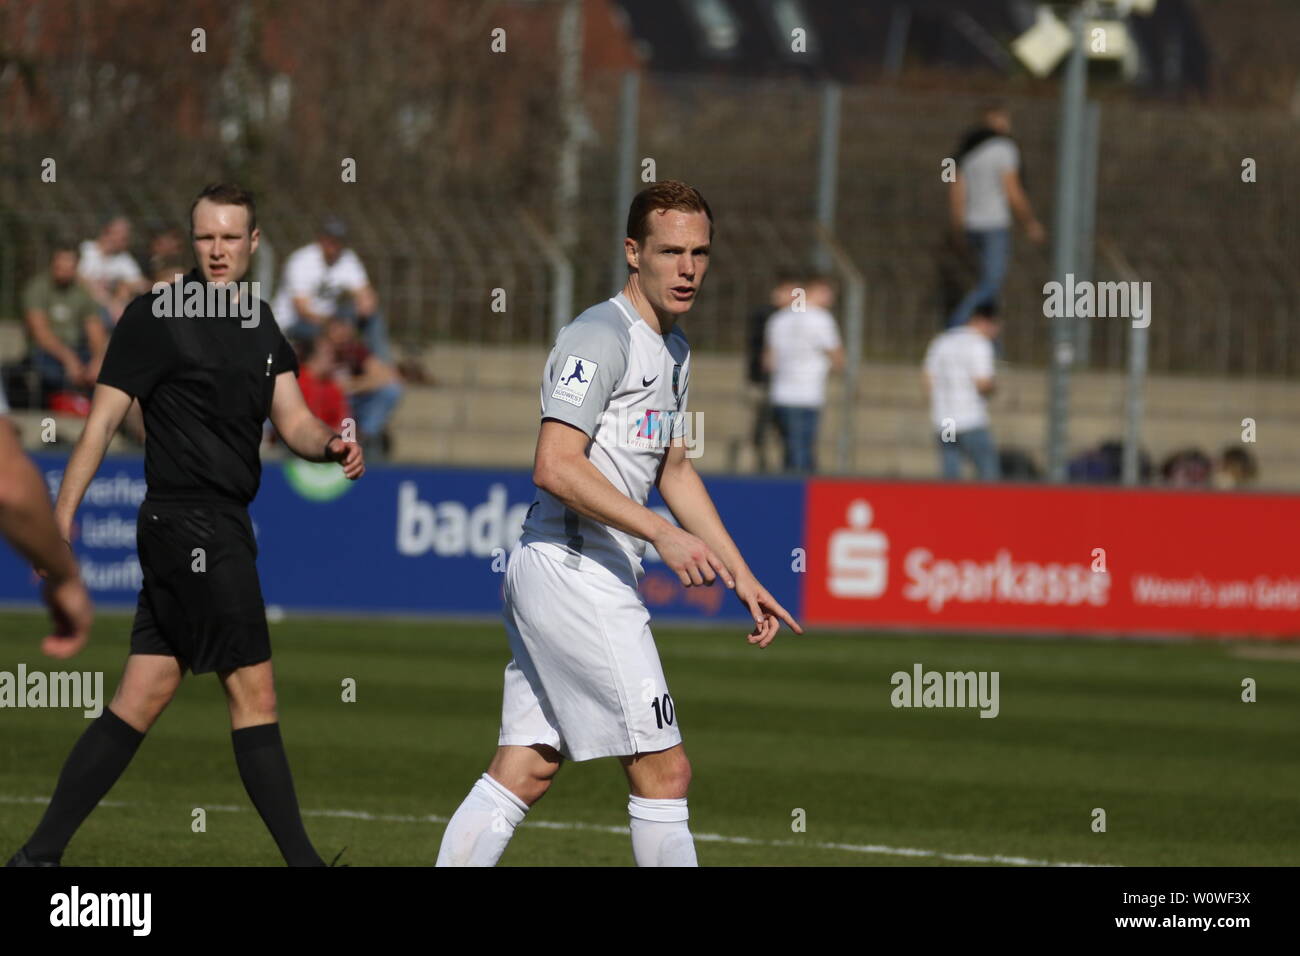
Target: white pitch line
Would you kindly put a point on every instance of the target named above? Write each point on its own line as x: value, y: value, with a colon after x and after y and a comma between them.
x: 867, y: 849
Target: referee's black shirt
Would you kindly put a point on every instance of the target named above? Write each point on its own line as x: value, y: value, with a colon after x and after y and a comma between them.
x: 205, y: 385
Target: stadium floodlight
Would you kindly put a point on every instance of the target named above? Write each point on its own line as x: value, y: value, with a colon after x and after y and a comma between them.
x: 1044, y: 44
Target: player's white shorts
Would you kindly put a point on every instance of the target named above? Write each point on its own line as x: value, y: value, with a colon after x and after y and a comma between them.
x: 586, y: 677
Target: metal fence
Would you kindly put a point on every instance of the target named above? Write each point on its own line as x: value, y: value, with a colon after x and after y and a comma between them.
x: 1218, y: 251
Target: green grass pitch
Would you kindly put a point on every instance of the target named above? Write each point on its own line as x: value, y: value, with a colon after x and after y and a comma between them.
x: 1156, y: 734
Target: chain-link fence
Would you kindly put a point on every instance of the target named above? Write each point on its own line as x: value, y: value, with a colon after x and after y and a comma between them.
x: 1218, y: 251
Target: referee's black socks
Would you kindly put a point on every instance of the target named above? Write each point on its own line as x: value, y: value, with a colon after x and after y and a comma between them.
x: 264, y: 768
x: 96, y: 761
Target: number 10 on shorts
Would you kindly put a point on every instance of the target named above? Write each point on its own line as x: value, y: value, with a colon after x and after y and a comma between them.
x: 663, y: 707
x: 663, y: 711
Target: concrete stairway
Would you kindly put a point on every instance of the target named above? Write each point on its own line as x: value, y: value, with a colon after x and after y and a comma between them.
x: 484, y: 404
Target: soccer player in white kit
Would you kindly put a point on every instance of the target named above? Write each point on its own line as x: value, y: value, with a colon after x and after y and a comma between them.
x: 586, y: 681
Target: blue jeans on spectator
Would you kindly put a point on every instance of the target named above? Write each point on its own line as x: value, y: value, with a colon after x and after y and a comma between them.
x: 373, y: 409
x: 993, y: 246
x: 975, y: 444
x: 798, y: 428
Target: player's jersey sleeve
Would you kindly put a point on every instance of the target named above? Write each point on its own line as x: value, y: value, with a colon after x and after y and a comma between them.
x: 588, y: 362
x: 141, y: 351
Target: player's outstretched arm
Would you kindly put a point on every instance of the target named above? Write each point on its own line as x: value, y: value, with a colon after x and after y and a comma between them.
x: 689, y: 501
x: 306, y: 435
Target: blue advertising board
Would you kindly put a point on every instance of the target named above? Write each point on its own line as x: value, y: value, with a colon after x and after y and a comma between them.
x: 407, y: 540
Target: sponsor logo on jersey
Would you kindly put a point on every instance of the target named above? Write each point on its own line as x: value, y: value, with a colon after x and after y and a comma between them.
x: 575, y: 378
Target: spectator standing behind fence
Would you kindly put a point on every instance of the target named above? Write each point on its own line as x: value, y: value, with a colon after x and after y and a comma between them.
x: 959, y: 375
x: 986, y: 193
x: 758, y: 379
x: 65, y: 333
x: 110, y: 272
x: 326, y: 280
x: 802, y: 347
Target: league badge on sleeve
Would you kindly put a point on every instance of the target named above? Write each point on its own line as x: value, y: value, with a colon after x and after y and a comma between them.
x: 574, y: 380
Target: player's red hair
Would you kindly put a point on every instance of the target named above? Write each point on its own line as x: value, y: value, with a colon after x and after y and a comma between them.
x: 669, y: 194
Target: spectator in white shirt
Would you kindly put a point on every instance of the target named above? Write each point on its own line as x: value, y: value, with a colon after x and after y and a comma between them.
x: 801, y: 348
x: 109, y: 271
x: 326, y: 280
x: 959, y: 375
x: 985, y: 194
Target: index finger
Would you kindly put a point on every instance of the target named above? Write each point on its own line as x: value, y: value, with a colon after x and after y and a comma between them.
x: 784, y: 615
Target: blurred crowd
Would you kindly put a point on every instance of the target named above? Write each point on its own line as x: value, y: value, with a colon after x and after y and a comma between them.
x: 324, y: 302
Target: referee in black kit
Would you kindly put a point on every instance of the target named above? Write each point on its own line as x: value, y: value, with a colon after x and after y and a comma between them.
x: 206, y: 375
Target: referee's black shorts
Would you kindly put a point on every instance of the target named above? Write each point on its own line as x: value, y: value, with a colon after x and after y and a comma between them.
x: 201, y: 601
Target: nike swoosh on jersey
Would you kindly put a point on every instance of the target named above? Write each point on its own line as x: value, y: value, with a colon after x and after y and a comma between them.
x: 647, y: 384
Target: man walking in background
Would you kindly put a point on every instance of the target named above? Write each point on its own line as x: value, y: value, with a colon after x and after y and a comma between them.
x: 987, y: 191
x: 801, y: 348
x: 958, y: 376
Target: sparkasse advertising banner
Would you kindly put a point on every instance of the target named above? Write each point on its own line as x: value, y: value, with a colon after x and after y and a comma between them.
x: 1044, y: 559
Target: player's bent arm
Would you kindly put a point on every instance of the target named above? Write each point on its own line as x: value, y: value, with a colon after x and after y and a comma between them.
x: 684, y: 492
x: 108, y: 406
x: 306, y: 435
x: 562, y: 468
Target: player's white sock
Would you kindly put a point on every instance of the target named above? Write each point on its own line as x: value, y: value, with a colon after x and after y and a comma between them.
x: 660, y: 836
x: 482, y: 826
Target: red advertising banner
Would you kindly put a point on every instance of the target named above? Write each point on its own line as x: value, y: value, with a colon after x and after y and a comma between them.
x: 1052, y: 559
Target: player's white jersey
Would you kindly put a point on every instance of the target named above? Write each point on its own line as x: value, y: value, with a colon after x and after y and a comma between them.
x: 623, y: 384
